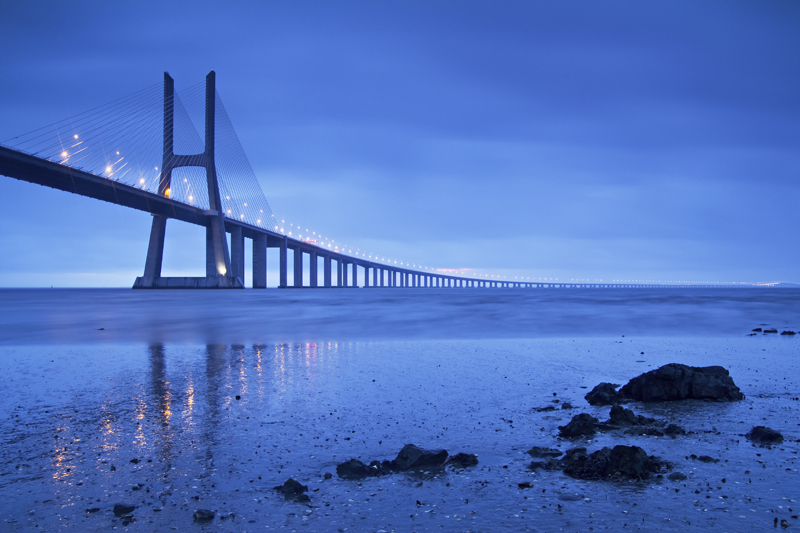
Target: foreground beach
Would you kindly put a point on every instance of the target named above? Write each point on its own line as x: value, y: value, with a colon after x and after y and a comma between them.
x: 173, y: 414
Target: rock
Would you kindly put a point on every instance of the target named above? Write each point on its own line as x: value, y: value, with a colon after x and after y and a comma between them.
x: 463, y: 460
x: 123, y: 509
x: 566, y: 405
x: 603, y: 394
x: 619, y: 462
x: 757, y: 329
x: 582, y: 425
x: 645, y: 430
x: 544, y: 409
x: 537, y: 453
x: 703, y: 458
x: 293, y: 490
x: 203, y: 515
x: 620, y: 416
x: 673, y: 430
x: 677, y: 476
x: 525, y: 485
x: 681, y: 382
x: 764, y: 436
x: 352, y: 470
x: 788, y: 332
x: 773, y: 330
x: 784, y: 523
x: 328, y: 475
x: 551, y: 465
x: 414, y: 457
x: 92, y: 509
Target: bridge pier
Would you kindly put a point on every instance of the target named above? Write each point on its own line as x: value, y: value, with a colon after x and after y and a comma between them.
x: 326, y: 271
x: 312, y: 269
x: 298, y: 268
x: 260, y: 261
x: 284, y: 275
x: 237, y: 252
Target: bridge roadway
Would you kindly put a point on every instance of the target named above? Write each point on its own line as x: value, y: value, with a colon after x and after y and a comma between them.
x: 26, y: 167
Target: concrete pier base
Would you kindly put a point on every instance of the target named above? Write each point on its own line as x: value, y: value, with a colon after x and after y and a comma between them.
x: 209, y: 282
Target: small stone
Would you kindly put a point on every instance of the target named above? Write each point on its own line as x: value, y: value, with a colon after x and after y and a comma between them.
x: 92, y: 509
x: 582, y: 425
x: 463, y: 460
x: 238, y: 397
x: 764, y: 436
x: 525, y: 485
x: 566, y: 405
x: 603, y: 394
x: 123, y: 509
x: 203, y: 515
x: 677, y: 476
x: 538, y: 452
x: 328, y: 475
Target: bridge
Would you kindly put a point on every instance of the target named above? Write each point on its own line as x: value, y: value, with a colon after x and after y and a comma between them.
x: 144, y: 152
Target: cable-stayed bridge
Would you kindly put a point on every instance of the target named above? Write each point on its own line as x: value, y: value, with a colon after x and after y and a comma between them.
x: 145, y: 151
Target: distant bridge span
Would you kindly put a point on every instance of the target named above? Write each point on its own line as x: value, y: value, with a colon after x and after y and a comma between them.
x: 226, y: 269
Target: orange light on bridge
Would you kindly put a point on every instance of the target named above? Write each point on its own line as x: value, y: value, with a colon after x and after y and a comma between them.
x: 166, y: 193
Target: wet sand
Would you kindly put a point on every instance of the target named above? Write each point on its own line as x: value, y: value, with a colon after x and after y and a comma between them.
x: 86, y: 425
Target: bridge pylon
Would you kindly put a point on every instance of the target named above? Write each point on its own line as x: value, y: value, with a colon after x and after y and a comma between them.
x: 218, y: 261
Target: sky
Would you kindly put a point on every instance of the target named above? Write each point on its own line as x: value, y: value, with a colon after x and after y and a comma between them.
x: 616, y: 140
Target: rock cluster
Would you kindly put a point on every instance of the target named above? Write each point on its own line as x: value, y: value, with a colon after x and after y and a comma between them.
x: 607, y: 464
x: 764, y: 436
x: 668, y: 383
x: 411, y: 457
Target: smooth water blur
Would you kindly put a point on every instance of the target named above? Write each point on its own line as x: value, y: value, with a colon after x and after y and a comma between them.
x: 69, y: 316
x: 189, y: 400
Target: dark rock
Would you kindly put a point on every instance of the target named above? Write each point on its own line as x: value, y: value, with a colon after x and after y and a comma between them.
x: 135, y: 461
x: 566, y: 405
x: 764, y: 436
x: 463, y: 460
x: 238, y: 397
x: 293, y: 490
x: 673, y: 430
x: 645, y: 430
x: 603, y: 394
x: 544, y: 409
x: 773, y: 330
x: 380, y: 468
x: 582, y: 425
x: 551, y: 465
x: 757, y: 329
x: 328, y: 475
x: 537, y: 453
x: 414, y: 457
x: 525, y: 485
x: 92, y: 509
x: 352, y: 470
x: 619, y: 462
x: 703, y: 458
x: 680, y: 382
x: 203, y: 515
x: 677, y: 476
x: 788, y: 332
x: 620, y: 416
x: 123, y: 509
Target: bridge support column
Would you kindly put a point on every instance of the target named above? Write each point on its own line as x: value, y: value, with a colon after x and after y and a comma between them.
x: 284, y: 267
x: 312, y: 269
x: 155, y: 250
x: 339, y: 273
x: 375, y: 271
x: 260, y: 261
x: 326, y: 267
x: 298, y: 267
x: 366, y: 276
x: 237, y: 252
x: 355, y: 274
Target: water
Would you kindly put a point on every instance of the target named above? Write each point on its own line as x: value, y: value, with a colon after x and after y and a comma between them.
x: 323, y: 376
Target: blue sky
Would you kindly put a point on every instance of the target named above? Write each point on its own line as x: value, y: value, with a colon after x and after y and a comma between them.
x: 570, y: 140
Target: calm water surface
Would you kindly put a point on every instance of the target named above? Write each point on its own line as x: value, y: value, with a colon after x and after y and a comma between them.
x: 145, y: 410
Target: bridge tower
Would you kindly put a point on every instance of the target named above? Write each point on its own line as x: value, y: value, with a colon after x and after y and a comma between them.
x: 218, y: 261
